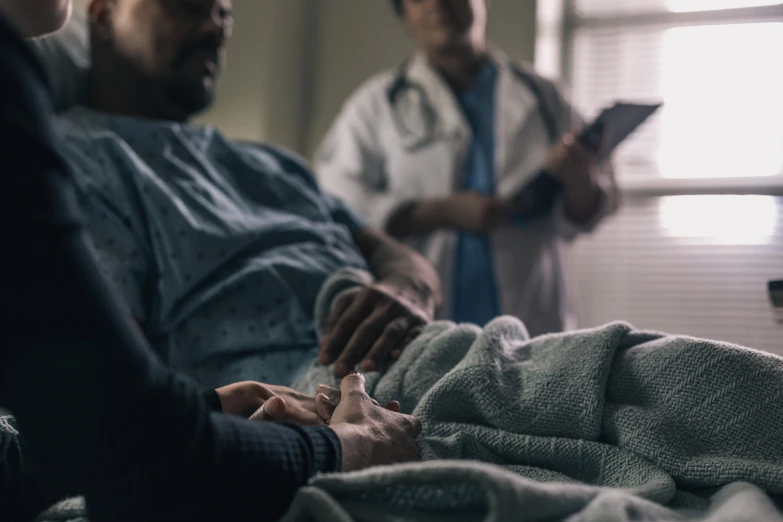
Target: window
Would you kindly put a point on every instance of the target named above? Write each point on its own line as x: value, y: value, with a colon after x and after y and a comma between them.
x: 701, y: 229
x: 712, y: 62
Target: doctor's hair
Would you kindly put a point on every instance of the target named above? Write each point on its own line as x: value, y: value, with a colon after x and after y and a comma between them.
x: 397, y: 5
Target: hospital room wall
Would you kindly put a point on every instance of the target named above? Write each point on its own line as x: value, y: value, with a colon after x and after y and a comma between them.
x: 262, y: 90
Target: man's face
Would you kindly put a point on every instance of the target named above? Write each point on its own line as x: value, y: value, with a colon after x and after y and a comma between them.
x: 175, y: 45
x: 443, y: 24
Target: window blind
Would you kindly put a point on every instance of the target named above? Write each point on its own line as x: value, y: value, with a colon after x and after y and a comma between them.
x: 697, y: 264
x: 707, y: 277
x: 615, y: 7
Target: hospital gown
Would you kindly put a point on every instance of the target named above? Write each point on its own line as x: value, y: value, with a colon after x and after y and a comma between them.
x: 218, y: 248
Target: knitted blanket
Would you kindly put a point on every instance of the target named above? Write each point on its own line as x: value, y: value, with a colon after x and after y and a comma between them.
x: 602, y: 424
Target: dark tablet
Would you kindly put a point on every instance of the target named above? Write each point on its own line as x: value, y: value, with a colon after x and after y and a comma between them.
x: 615, y: 124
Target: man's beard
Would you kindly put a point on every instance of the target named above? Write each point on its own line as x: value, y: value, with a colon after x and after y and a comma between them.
x: 189, y: 97
x: 192, y: 96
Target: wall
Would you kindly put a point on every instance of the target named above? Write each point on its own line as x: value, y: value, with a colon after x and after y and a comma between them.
x: 261, y: 93
x: 356, y: 38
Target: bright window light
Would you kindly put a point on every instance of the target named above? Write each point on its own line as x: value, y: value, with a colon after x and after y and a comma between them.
x: 723, y: 220
x: 722, y: 90
x: 683, y: 6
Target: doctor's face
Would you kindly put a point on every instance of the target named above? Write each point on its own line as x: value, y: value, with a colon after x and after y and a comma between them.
x: 439, y: 25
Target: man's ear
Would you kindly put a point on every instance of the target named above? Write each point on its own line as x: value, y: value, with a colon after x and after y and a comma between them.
x: 100, y: 14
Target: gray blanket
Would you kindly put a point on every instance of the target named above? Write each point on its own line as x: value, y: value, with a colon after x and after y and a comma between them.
x: 603, y: 424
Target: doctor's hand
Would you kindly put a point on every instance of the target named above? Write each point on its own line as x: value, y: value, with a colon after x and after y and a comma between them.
x: 576, y: 168
x: 370, y: 325
x: 570, y: 162
x: 476, y: 213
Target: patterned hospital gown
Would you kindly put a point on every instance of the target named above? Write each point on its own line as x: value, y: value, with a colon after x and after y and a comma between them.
x: 219, y: 248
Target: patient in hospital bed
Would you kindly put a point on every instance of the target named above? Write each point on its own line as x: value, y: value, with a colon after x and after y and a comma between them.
x: 219, y: 247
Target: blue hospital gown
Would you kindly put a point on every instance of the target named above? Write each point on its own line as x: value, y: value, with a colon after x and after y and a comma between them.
x: 219, y: 248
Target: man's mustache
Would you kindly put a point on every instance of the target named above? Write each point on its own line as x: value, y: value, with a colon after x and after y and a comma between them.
x: 209, y: 47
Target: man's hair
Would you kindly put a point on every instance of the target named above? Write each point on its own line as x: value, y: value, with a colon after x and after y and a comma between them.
x: 397, y: 5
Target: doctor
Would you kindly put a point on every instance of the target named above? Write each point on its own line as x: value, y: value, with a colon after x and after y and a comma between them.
x: 433, y: 151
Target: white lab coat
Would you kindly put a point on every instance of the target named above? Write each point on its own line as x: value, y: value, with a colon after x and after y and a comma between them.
x: 363, y: 160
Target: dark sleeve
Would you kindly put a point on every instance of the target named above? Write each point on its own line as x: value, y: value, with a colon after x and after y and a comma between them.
x: 99, y: 413
x: 12, y: 478
x: 213, y: 400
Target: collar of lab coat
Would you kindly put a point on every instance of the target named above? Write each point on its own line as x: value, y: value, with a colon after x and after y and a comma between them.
x: 514, y: 103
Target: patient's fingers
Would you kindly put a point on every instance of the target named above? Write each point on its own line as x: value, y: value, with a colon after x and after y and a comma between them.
x: 332, y: 393
x: 339, y: 307
x: 325, y: 406
x: 394, y: 406
x: 391, y: 337
x: 364, y: 338
x: 360, y: 308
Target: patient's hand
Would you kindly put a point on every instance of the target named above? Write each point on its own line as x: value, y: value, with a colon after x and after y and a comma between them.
x: 262, y: 402
x: 369, y: 326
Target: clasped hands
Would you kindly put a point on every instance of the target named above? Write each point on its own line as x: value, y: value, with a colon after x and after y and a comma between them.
x: 265, y: 402
x: 369, y: 434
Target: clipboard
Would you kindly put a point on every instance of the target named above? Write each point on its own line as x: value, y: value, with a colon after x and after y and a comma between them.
x: 613, y: 126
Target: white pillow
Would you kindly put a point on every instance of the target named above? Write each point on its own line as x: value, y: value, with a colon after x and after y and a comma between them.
x: 65, y: 56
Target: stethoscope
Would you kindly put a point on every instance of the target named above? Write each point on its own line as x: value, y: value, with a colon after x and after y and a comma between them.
x: 409, y: 102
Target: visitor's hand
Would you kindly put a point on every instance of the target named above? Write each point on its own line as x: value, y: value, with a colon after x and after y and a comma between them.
x: 263, y: 402
x: 477, y: 213
x: 370, y: 325
x: 371, y: 435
